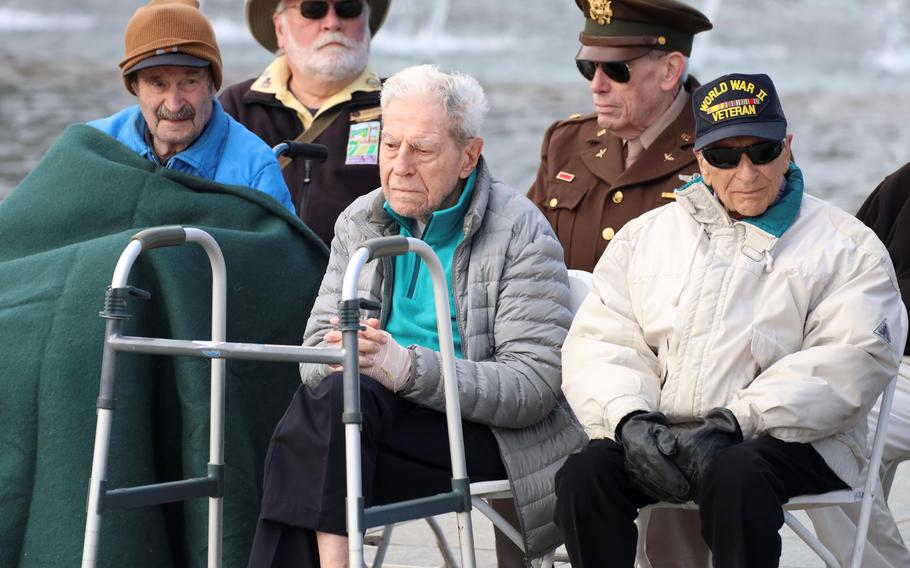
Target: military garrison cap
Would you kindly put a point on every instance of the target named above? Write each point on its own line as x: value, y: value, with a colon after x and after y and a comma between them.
x: 620, y: 30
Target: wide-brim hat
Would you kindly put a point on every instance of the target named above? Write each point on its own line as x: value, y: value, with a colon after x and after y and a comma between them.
x: 258, y: 15
x: 621, y: 30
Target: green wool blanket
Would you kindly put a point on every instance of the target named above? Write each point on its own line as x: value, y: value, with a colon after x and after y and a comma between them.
x: 61, y: 233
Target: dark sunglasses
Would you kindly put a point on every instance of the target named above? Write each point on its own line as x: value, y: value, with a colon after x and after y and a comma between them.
x: 727, y: 158
x: 618, y: 71
x: 317, y: 9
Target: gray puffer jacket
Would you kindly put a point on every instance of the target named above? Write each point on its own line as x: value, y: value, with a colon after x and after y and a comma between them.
x: 511, y: 296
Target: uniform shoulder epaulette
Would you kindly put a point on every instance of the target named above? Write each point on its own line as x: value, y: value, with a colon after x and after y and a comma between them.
x: 577, y: 119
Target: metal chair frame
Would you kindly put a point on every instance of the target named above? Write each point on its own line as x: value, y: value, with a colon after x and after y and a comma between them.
x: 864, y: 494
x: 579, y: 286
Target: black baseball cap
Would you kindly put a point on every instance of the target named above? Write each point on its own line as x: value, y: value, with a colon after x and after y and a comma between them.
x: 737, y: 105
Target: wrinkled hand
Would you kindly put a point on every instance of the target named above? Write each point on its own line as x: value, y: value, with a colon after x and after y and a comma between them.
x: 380, y: 356
x: 649, y: 446
x: 391, y: 365
x: 696, y: 447
x: 369, y: 340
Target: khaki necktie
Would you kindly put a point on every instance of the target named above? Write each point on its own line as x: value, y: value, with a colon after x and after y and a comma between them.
x: 633, y: 150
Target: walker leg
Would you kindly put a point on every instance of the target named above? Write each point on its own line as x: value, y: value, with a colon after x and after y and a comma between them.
x: 96, y: 487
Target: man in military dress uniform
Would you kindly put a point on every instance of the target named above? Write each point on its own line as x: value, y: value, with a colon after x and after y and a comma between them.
x: 319, y: 89
x: 600, y: 170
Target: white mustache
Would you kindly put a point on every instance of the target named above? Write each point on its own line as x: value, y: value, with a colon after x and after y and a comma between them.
x: 334, y: 37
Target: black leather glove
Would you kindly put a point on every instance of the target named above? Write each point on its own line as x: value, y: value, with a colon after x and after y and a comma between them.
x: 697, y: 446
x: 649, y: 446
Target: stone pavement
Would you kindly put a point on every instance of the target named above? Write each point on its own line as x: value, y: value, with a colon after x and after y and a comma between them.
x: 413, y: 543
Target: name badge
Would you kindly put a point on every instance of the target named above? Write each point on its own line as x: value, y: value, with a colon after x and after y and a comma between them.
x: 363, y: 143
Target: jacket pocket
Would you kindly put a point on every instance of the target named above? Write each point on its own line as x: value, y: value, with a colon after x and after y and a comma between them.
x: 564, y: 196
x: 766, y: 349
x: 663, y: 353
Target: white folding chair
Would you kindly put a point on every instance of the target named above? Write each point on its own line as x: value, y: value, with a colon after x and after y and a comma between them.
x: 483, y: 491
x: 864, y: 494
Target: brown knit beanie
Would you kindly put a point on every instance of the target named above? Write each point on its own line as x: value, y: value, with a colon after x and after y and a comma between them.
x: 172, y: 32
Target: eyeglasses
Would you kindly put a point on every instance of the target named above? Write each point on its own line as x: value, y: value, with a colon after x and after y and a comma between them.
x: 727, y: 158
x: 618, y: 71
x: 317, y: 9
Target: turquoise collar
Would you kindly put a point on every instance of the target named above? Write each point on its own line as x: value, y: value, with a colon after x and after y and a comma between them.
x: 778, y: 218
x: 443, y: 223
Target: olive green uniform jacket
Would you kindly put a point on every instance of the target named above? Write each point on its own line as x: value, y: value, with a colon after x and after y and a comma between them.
x: 585, y: 194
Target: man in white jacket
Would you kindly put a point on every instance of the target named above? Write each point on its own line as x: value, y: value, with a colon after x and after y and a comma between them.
x: 738, y: 373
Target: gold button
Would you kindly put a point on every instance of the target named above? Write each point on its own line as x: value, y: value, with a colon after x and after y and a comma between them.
x: 617, y: 197
x: 662, y: 40
x: 553, y: 203
x: 608, y: 233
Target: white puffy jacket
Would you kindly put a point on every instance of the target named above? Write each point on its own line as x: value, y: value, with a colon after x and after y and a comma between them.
x: 689, y: 310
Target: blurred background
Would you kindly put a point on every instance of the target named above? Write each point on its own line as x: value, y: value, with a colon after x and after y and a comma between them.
x: 842, y: 68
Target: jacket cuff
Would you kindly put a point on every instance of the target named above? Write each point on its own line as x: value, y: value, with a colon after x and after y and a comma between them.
x: 749, y: 424
x: 619, y: 408
x: 425, y: 364
x: 412, y: 370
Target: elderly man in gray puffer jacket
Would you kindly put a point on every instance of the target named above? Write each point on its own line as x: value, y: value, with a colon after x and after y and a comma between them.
x: 509, y: 304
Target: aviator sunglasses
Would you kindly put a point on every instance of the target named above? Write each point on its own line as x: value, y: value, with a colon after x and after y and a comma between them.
x: 618, y: 71
x: 727, y: 157
x: 317, y: 9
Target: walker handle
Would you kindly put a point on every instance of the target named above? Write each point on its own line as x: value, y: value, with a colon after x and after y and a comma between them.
x: 166, y: 236
x: 293, y: 149
x: 386, y: 246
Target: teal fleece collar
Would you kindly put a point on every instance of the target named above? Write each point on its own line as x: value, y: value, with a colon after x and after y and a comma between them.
x: 778, y: 218
x: 443, y: 223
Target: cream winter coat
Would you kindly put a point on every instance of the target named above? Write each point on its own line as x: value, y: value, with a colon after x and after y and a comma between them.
x: 796, y: 335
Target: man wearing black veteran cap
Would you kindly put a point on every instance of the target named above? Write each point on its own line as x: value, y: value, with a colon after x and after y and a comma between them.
x: 736, y: 367
x: 172, y: 65
x: 600, y: 170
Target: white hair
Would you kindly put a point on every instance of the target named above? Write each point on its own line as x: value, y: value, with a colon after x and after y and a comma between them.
x: 460, y: 95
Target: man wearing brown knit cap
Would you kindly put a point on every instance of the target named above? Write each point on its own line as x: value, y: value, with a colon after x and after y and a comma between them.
x: 320, y: 89
x: 600, y: 170
x: 172, y: 65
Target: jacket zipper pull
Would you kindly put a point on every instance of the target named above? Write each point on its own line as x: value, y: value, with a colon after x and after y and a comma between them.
x: 307, y: 168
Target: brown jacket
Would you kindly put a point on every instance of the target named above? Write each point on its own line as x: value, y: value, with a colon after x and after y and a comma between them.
x: 319, y: 191
x: 586, y: 196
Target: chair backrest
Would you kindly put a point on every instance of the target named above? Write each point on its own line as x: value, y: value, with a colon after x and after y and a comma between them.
x: 579, y: 286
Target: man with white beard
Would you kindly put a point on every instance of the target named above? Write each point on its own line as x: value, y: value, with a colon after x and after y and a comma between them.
x: 319, y: 89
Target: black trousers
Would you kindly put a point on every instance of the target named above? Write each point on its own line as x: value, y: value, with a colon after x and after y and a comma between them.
x: 744, y: 490
x: 404, y: 456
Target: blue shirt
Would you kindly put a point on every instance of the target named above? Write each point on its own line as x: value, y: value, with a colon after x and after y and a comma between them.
x: 226, y: 152
x: 412, y: 319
